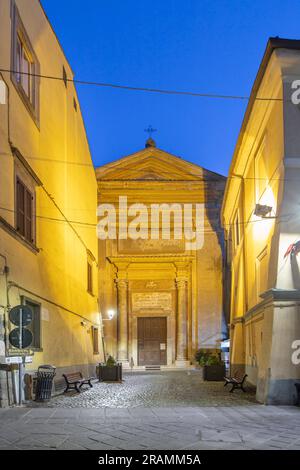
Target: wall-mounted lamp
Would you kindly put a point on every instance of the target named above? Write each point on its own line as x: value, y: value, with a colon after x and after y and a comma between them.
x: 262, y: 210
x: 110, y: 314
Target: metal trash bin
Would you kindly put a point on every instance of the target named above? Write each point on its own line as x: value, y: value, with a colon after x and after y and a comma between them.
x: 45, y: 376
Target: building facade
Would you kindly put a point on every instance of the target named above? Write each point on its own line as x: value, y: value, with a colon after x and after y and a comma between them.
x: 48, y: 199
x: 160, y: 299
x: 262, y: 227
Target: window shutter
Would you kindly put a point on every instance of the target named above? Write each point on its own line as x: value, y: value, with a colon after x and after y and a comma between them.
x: 28, y: 216
x: 24, y: 211
x: 95, y: 340
x: 20, y: 208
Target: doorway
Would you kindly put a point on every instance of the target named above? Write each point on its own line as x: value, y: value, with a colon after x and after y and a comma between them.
x: 152, y: 341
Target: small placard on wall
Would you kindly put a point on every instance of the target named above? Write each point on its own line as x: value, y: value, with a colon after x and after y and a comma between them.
x: 2, y: 348
x: 45, y: 314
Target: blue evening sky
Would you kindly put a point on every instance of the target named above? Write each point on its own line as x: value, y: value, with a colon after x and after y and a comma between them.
x: 196, y: 45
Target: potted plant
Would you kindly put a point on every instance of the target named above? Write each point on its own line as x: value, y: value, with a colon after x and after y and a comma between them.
x: 110, y: 371
x: 201, y: 357
x: 212, y: 365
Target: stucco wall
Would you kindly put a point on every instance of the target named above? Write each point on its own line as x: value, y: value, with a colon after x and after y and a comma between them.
x: 54, y: 271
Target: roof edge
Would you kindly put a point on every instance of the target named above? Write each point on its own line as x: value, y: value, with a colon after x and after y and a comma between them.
x: 272, y: 44
x: 56, y: 37
x: 153, y: 150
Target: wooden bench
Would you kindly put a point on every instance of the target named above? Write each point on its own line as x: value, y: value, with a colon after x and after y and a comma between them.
x: 237, y: 381
x: 75, y: 380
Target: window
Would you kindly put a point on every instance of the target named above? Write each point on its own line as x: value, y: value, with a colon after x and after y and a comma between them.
x: 24, y: 65
x: 35, y: 325
x: 95, y: 337
x: 90, y: 277
x: 24, y: 211
x: 24, y: 69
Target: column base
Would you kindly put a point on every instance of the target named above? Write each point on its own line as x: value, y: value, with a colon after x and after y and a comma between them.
x: 182, y: 363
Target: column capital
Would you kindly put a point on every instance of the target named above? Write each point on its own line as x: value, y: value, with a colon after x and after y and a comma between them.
x: 182, y: 270
x: 121, y: 283
x: 182, y: 265
x: 181, y: 282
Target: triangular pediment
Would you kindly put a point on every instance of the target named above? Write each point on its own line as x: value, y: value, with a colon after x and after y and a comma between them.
x: 152, y: 165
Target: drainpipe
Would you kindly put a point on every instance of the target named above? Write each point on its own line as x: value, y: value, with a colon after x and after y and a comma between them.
x: 3, y: 326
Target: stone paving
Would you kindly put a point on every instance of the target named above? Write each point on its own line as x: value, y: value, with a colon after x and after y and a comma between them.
x: 153, y: 423
x: 188, y: 428
x: 171, y: 388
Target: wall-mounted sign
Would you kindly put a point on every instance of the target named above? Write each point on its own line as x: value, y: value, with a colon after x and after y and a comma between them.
x: 11, y: 360
x: 20, y: 338
x: 21, y: 316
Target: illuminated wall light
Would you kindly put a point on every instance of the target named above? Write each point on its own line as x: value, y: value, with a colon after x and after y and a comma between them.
x: 110, y: 314
x: 262, y: 210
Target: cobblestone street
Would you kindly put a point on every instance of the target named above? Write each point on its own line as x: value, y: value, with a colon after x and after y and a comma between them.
x: 158, y: 410
x: 158, y: 389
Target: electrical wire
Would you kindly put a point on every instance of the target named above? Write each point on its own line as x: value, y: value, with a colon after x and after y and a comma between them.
x: 88, y: 224
x: 206, y: 181
x: 45, y: 299
x: 142, y: 89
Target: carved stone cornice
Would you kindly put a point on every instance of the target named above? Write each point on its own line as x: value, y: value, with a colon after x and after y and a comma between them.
x: 176, y: 258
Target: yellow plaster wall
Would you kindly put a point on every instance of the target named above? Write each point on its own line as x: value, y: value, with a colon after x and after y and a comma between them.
x: 58, y: 152
x: 265, y: 346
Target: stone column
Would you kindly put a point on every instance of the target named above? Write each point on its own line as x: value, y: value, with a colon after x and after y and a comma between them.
x: 181, y: 353
x: 122, y: 321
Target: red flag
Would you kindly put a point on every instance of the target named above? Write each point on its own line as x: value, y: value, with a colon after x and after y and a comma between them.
x: 293, y: 249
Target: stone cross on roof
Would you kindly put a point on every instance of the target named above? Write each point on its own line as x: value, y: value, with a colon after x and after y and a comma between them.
x: 150, y: 142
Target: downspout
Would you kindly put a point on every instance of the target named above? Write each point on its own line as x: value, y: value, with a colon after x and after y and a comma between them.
x: 6, y: 309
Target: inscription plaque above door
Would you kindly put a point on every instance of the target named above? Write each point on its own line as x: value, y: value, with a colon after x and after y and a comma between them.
x: 151, y: 300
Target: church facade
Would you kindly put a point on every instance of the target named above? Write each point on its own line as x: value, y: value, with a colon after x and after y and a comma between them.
x: 160, y: 296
